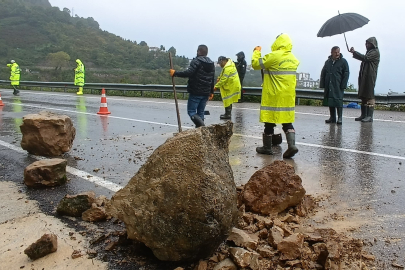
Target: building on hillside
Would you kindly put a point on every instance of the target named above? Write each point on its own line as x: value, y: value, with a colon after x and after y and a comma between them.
x: 154, y: 49
x: 304, y: 80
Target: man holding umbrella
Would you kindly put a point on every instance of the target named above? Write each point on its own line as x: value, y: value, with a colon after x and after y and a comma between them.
x: 367, y: 78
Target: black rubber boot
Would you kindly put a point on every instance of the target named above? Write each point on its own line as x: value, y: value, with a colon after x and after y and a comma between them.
x: 292, y: 149
x: 266, y: 148
x: 363, y: 113
x: 228, y: 113
x: 332, y: 118
x: 197, y: 121
x: 15, y: 93
x: 340, y: 115
x: 369, y: 114
x: 277, y: 139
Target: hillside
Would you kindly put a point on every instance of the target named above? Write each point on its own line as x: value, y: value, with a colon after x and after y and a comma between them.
x: 32, y: 32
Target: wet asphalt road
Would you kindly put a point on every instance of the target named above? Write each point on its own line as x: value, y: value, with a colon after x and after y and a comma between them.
x: 357, y: 168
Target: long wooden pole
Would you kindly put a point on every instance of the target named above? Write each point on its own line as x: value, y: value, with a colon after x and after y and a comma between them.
x: 175, y: 94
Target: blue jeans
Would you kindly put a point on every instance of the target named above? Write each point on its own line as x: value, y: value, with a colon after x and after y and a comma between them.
x: 196, y: 105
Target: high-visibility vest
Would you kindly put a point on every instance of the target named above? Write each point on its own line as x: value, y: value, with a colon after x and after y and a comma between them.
x: 229, y: 84
x: 79, y: 73
x: 278, y: 93
x: 14, y: 73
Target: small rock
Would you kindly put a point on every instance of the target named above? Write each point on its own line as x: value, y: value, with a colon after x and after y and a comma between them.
x: 47, y: 244
x: 242, y: 239
x: 46, y: 173
x: 94, y: 214
x: 111, y: 246
x: 226, y: 264
x: 75, y: 205
x: 276, y: 235
x: 397, y: 265
x: 290, y: 247
x: 76, y: 254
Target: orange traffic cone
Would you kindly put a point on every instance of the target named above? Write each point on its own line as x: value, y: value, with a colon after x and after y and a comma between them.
x: 103, y: 106
x: 1, y: 102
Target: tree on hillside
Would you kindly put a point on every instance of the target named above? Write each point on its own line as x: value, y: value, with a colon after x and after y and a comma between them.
x: 143, y: 43
x: 162, y: 48
x: 58, y: 60
x: 66, y: 10
x: 172, y: 50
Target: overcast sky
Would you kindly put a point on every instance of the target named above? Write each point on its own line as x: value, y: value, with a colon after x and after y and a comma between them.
x: 230, y: 26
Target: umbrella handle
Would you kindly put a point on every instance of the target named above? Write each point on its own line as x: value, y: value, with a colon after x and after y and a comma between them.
x: 347, y: 46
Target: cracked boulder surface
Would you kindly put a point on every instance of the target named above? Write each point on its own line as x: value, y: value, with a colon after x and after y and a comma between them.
x: 182, y: 203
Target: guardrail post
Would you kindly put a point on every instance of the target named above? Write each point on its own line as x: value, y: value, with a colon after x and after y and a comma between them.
x: 161, y: 94
x: 298, y: 101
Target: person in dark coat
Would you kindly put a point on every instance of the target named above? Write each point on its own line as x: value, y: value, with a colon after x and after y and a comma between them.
x: 241, y: 68
x: 367, y: 78
x: 200, y: 85
x: 334, y: 78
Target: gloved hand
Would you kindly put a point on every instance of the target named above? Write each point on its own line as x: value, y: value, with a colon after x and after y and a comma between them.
x: 211, y: 97
x: 172, y: 71
x: 215, y: 88
x: 258, y: 48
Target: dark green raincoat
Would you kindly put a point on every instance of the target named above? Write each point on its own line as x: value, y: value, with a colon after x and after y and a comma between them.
x: 368, y: 70
x: 334, y: 78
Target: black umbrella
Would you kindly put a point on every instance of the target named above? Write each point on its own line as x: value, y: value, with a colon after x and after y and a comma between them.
x: 342, y: 23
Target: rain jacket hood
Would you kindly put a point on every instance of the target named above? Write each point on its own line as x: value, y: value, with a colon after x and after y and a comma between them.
x: 279, y: 80
x: 373, y: 41
x: 283, y: 42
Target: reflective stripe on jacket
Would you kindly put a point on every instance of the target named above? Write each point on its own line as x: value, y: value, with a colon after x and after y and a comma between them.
x: 278, y: 93
x: 229, y: 84
x: 14, y: 73
x: 79, y: 73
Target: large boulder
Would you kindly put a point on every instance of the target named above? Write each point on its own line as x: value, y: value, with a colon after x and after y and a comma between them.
x: 273, y: 189
x: 46, y: 173
x: 47, y: 134
x: 182, y: 203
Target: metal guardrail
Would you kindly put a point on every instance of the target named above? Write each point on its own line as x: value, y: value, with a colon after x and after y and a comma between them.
x: 249, y: 91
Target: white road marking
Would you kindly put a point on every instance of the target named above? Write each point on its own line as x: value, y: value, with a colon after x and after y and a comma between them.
x: 110, y: 116
x: 184, y: 104
x: 241, y: 135
x: 334, y: 148
x: 82, y: 174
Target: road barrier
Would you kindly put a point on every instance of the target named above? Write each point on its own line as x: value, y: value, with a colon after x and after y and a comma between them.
x: 248, y: 91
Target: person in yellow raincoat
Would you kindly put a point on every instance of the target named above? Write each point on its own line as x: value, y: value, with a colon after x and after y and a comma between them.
x: 278, y: 93
x: 229, y: 85
x: 14, y: 76
x: 79, y: 76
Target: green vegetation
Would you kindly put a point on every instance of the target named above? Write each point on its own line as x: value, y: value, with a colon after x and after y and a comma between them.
x: 46, y: 40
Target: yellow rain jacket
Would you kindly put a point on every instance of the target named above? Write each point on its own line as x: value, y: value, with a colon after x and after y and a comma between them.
x: 14, y: 74
x: 278, y: 93
x: 229, y: 84
x: 79, y: 73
